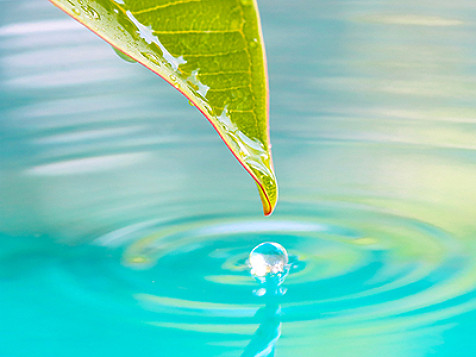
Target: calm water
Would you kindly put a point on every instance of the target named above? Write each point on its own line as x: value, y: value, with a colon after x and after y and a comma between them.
x: 126, y: 224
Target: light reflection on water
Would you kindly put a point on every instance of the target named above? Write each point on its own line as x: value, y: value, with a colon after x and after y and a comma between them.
x: 119, y: 226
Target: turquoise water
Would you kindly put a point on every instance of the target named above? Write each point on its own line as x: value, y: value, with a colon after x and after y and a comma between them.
x: 126, y: 224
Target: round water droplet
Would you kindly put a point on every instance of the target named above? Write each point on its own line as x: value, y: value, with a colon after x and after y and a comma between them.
x: 76, y: 11
x: 254, y: 43
x: 268, y: 259
x: 173, y: 78
x: 124, y: 56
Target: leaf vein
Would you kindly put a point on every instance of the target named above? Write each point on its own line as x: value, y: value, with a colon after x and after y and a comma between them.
x: 185, y: 32
x: 226, y: 89
x: 226, y: 53
x: 222, y: 73
x: 164, y: 6
x: 231, y: 110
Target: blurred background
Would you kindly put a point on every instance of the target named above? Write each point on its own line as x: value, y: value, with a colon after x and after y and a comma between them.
x: 125, y: 222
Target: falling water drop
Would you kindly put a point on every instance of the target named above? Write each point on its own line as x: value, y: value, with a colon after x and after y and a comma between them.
x: 269, y: 263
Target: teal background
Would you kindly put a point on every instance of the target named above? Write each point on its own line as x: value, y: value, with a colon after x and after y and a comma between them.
x: 125, y: 223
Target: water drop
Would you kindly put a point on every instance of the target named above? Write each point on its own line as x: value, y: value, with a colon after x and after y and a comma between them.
x: 124, y: 56
x: 260, y: 292
x: 90, y: 12
x: 76, y: 11
x: 254, y: 43
x: 269, y: 262
x: 152, y: 57
x: 94, y: 14
x: 173, y: 78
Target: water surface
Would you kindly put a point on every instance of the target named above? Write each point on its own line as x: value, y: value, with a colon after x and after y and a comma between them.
x: 126, y: 224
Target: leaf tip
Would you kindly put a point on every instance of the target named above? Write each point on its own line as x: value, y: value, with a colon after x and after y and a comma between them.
x: 269, y: 198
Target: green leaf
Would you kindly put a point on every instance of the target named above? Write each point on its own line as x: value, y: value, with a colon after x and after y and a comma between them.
x: 212, y: 52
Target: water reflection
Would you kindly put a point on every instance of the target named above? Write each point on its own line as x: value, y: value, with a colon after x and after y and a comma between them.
x: 269, y: 266
x: 264, y: 341
x: 374, y: 130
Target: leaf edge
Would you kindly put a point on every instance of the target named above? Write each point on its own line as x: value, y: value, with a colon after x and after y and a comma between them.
x: 268, y: 206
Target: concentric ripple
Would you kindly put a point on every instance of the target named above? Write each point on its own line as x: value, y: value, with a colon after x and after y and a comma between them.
x: 371, y: 268
x: 125, y: 228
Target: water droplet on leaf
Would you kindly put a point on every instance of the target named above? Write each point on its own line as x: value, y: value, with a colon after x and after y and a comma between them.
x: 152, y: 57
x: 124, y: 56
x: 90, y: 12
